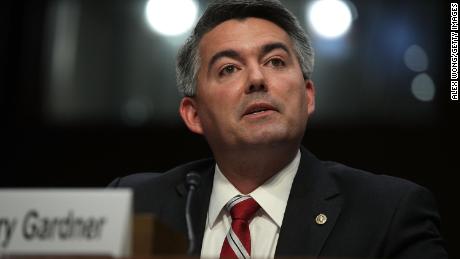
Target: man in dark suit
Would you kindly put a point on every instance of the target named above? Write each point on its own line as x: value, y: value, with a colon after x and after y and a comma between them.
x: 245, y: 76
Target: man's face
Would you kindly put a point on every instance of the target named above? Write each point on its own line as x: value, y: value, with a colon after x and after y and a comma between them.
x: 250, y: 87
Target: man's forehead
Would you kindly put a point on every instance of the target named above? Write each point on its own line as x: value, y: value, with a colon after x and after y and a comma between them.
x: 251, y: 30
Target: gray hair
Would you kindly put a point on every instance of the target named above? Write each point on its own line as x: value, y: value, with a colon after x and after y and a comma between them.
x: 188, y: 61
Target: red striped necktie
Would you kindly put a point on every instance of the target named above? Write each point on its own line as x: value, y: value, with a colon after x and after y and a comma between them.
x: 237, y: 243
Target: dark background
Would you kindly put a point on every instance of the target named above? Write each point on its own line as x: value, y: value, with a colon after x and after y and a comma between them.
x: 366, y: 118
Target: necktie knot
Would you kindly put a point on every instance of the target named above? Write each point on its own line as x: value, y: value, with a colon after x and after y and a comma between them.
x: 242, y: 207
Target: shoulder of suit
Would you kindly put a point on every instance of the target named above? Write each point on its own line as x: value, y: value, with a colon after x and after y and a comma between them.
x: 358, y: 181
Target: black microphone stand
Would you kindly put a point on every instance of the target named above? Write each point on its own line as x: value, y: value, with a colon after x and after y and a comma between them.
x: 193, y: 181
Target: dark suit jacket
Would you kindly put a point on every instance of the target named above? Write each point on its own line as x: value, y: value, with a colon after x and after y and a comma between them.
x: 368, y: 215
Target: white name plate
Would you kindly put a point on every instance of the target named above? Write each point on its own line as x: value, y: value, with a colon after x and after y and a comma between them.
x: 65, y: 222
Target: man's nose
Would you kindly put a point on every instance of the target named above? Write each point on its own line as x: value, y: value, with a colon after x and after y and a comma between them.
x: 256, y: 80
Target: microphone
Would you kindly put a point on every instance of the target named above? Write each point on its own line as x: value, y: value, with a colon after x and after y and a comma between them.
x: 192, y: 181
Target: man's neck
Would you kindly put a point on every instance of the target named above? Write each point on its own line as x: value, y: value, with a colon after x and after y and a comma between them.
x: 249, y: 169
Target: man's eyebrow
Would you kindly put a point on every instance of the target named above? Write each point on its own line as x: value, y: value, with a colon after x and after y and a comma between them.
x: 234, y: 54
x: 224, y: 53
x: 271, y: 46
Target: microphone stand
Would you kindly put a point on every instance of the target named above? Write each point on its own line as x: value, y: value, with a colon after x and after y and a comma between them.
x: 192, y: 180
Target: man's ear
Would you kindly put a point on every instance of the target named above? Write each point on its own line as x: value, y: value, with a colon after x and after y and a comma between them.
x: 188, y: 112
x: 310, y: 91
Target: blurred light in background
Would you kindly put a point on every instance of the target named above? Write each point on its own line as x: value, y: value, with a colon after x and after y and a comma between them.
x: 137, y: 111
x: 329, y: 18
x: 171, y: 17
x: 423, y: 87
x: 416, y: 59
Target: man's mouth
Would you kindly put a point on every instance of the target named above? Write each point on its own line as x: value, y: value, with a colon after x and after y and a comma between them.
x: 258, y: 108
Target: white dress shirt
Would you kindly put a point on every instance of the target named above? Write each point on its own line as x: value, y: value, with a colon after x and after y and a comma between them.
x: 272, y: 196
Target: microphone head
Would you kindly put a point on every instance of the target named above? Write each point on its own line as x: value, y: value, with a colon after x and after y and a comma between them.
x: 193, y: 179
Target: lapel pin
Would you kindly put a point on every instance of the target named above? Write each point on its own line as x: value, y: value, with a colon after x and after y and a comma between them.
x: 321, y: 219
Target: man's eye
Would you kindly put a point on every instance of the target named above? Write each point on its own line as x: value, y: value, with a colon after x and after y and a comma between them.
x: 276, y: 62
x: 227, y: 70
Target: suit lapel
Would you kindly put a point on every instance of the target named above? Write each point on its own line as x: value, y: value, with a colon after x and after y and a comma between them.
x: 313, y: 192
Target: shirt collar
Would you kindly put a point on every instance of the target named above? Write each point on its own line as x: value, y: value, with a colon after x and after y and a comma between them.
x: 272, y: 196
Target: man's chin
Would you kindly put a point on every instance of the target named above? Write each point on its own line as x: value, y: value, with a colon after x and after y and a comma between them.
x: 268, y: 138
